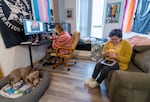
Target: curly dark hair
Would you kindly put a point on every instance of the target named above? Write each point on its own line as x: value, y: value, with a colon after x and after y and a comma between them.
x: 116, y: 32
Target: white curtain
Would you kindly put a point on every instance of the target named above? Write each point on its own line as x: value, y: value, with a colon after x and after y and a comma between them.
x: 83, y: 17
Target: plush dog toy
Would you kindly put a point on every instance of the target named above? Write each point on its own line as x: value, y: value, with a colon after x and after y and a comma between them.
x: 33, y: 78
x: 36, y: 82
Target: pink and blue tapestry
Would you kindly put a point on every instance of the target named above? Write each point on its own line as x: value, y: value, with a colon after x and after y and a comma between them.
x: 42, y: 10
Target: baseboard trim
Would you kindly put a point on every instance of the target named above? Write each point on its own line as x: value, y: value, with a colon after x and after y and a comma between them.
x: 82, y: 54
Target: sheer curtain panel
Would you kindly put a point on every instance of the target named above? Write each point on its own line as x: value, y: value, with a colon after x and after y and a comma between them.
x: 83, y: 17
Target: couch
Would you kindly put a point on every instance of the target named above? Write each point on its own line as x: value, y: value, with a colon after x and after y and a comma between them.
x: 132, y: 85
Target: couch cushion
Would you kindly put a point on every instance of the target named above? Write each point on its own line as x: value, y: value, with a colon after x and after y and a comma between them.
x: 142, y: 60
x: 133, y: 68
x: 141, y: 48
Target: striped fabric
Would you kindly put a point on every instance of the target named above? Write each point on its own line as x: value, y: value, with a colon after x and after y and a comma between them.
x: 124, y: 13
x: 42, y: 10
x: 128, y: 15
x: 64, y: 40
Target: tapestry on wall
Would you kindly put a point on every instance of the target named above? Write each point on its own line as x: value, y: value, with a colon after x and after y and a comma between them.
x: 11, y: 14
x: 113, y: 12
x: 128, y: 15
x: 142, y: 17
x: 42, y: 11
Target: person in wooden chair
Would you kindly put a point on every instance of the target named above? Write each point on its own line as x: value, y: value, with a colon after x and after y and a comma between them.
x: 60, y: 38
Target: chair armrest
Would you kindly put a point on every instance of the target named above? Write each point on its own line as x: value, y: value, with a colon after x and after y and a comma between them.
x: 127, y: 86
x: 64, y: 48
x: 70, y: 50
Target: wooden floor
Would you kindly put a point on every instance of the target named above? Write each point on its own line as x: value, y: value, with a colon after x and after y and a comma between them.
x: 68, y: 86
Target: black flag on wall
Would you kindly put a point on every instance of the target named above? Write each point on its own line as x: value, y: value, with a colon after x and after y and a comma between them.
x: 11, y: 14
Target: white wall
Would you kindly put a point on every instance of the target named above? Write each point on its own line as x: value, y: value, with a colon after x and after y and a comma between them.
x: 18, y: 56
x: 59, y: 7
x: 109, y: 26
x: 51, y: 4
x: 71, y: 4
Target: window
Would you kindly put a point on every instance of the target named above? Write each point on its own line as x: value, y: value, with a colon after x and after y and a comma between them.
x: 89, y: 20
x: 97, y: 18
x: 83, y: 17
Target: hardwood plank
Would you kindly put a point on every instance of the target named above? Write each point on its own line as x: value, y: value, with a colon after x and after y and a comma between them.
x: 68, y: 86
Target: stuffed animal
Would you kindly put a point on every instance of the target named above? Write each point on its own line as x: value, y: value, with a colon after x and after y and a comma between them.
x: 36, y: 82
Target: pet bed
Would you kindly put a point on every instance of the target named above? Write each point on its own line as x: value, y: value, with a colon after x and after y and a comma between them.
x: 34, y: 95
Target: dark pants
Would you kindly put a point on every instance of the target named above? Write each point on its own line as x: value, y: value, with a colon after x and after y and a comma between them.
x: 101, y: 71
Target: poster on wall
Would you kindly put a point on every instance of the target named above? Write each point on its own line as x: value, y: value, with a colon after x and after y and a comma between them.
x: 11, y: 14
x: 69, y: 13
x: 113, y: 12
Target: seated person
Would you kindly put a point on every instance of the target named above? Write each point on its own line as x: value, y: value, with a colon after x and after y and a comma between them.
x: 115, y: 49
x: 60, y: 38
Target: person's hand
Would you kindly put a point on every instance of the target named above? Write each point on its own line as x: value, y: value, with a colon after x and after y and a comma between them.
x: 113, y: 55
x: 54, y: 34
x: 50, y: 37
x: 106, y: 53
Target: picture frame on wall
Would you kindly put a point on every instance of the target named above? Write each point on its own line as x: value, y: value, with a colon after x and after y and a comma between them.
x: 69, y: 13
x: 113, y: 12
